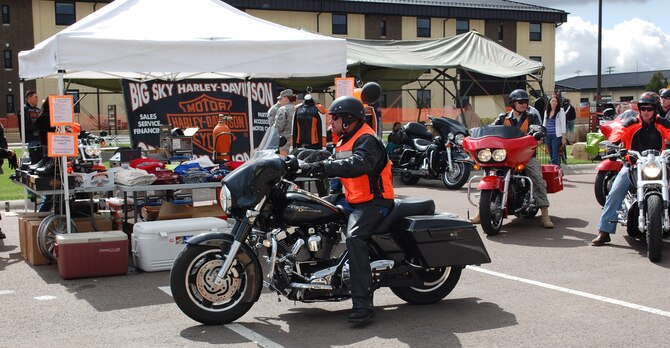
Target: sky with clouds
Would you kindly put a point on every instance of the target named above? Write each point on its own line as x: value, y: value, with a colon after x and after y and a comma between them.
x: 635, y: 36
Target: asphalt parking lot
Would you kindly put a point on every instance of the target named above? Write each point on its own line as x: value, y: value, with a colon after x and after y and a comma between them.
x: 544, y: 287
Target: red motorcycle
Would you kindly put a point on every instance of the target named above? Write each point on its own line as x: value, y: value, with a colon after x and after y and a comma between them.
x: 607, y: 169
x: 503, y: 152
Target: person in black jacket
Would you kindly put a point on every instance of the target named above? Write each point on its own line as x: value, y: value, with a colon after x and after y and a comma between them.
x: 570, y: 116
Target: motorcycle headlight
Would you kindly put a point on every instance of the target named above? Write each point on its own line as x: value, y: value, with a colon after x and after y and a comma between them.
x: 651, y: 171
x: 89, y: 151
x: 484, y: 155
x: 226, y: 199
x: 459, y: 139
x: 499, y: 155
x: 96, y: 151
x: 451, y: 136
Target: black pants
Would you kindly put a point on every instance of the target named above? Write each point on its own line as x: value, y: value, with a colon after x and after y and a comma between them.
x: 362, y: 222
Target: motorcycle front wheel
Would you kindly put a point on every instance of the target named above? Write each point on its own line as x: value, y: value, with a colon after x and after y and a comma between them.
x: 456, y: 178
x: 603, y: 185
x: 491, y: 211
x: 437, y: 284
x: 194, y: 291
x: 654, y: 228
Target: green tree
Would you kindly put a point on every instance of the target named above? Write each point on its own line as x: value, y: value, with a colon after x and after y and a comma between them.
x: 657, y: 82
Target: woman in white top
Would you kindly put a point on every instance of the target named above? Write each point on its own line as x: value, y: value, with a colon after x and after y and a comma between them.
x: 554, y: 121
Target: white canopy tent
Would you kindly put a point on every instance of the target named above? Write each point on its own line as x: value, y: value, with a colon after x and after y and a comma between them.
x: 179, y: 39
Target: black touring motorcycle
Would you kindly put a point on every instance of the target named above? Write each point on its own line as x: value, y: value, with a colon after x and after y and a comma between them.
x: 217, y: 278
x: 439, y: 157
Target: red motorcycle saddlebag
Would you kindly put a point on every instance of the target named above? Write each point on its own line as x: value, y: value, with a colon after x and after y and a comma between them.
x: 553, y: 175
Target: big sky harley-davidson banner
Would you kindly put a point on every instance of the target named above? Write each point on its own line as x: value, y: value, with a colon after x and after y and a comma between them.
x: 197, y: 103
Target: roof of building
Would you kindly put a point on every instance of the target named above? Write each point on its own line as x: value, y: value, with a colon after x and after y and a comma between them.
x: 466, y: 9
x: 610, y: 81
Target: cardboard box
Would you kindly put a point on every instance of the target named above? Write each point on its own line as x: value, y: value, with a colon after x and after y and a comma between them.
x: 23, y: 217
x: 213, y: 210
x: 171, y: 211
x: 150, y: 212
x: 34, y: 256
x: 553, y: 175
x: 48, y: 183
x: 93, y: 254
x: 101, y: 223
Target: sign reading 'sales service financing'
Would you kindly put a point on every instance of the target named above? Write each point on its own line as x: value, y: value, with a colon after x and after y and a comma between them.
x: 197, y: 103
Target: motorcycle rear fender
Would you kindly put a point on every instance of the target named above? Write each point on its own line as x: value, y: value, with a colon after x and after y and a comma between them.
x: 608, y: 165
x: 244, y: 255
x: 491, y: 183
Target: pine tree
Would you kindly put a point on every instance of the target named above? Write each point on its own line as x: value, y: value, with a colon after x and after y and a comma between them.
x: 657, y: 82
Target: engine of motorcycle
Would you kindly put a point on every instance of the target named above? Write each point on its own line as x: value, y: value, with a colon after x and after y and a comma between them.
x: 318, y: 242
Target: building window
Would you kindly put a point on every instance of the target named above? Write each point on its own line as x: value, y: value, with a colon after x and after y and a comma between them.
x: 535, y: 32
x: 423, y: 27
x: 462, y: 26
x: 5, y: 14
x: 423, y: 98
x: 10, y: 103
x: 65, y: 14
x: 382, y: 27
x: 8, y: 59
x: 500, y: 31
x: 340, y: 23
x: 536, y: 58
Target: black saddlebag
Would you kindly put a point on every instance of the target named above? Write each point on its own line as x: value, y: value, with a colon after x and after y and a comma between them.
x: 444, y: 241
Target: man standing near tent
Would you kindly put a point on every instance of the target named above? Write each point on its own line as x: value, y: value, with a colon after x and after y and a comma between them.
x: 30, y: 114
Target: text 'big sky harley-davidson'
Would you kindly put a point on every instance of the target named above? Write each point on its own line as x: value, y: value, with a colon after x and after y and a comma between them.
x: 440, y: 157
x: 217, y: 278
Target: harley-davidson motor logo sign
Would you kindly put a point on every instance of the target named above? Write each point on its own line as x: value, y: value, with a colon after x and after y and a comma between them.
x: 203, y: 112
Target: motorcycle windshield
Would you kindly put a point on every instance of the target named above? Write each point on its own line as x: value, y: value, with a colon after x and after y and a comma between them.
x: 252, y: 181
x: 505, y: 132
x: 446, y: 125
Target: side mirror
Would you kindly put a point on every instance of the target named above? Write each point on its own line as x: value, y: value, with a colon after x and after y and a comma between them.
x: 282, y: 141
x: 103, y: 133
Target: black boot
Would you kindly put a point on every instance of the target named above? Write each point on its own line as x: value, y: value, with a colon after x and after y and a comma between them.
x: 361, y: 315
x: 2, y: 235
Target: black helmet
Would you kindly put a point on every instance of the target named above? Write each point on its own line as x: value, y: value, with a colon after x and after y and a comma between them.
x: 665, y: 92
x: 518, y: 94
x: 649, y: 98
x: 349, y: 108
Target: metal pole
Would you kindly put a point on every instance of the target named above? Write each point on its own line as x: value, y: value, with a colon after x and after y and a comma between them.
x: 600, y: 42
x: 22, y: 125
x: 66, y: 188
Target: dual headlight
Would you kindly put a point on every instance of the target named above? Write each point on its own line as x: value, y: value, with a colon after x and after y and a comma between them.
x: 651, y: 171
x: 226, y: 199
x: 497, y: 155
x: 92, y: 151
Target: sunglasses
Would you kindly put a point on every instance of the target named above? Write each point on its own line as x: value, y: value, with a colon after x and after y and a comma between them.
x: 665, y: 97
x: 522, y: 101
x: 647, y: 108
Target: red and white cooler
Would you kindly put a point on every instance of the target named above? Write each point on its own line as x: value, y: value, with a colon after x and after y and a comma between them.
x: 93, y: 254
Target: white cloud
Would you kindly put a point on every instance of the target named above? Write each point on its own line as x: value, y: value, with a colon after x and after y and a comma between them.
x: 633, y: 45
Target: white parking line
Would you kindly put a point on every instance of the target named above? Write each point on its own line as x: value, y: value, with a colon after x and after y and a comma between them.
x: 251, y: 335
x: 573, y: 292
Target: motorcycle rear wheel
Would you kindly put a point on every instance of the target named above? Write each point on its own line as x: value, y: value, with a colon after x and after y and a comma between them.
x: 654, y: 228
x: 456, y: 178
x: 409, y: 178
x: 437, y: 284
x: 193, y: 290
x: 491, y: 211
x: 603, y: 185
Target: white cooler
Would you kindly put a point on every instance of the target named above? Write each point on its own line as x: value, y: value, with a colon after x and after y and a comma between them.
x: 155, y: 244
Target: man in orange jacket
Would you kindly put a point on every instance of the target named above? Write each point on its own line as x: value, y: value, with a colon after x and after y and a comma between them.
x: 365, y: 170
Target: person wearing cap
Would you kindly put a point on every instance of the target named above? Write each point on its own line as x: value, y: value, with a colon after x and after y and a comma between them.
x: 308, y: 125
x: 361, y: 162
x: 665, y: 103
x: 284, y: 116
x: 644, y: 131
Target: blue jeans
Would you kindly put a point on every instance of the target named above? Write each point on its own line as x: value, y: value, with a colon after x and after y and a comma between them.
x: 620, y: 186
x: 553, y: 145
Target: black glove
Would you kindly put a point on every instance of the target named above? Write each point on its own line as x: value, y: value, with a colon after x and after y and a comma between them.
x: 13, y: 161
x: 312, y: 168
